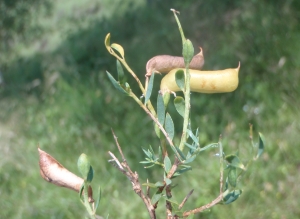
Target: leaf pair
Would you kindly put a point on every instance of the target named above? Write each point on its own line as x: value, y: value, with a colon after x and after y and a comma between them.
x: 151, y: 158
x: 120, y: 85
x: 114, y: 47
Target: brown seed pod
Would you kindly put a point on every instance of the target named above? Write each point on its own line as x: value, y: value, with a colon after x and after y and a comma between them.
x: 165, y: 63
x: 52, y: 171
x: 220, y: 81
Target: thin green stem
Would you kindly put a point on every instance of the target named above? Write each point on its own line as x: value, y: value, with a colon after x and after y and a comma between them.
x: 187, y: 90
x: 221, y: 165
x: 187, y: 108
x: 122, y: 60
x: 149, y: 104
x: 164, y: 147
x: 179, y: 25
x: 86, y: 201
x: 131, y: 94
x: 153, y: 117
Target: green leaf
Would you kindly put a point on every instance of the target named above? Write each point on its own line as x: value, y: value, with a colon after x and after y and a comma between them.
x: 116, y: 84
x: 213, y: 145
x: 118, y: 48
x: 234, y: 161
x: 232, y: 196
x: 84, y: 165
x: 184, y: 169
x: 171, y: 201
x: 148, y: 153
x: 155, y: 198
x: 261, y: 145
x: 159, y: 152
x: 169, y: 126
x: 191, y: 146
x: 167, y: 164
x: 157, y: 130
x: 179, y: 104
x: 120, y: 71
x: 98, y: 198
x: 226, y: 185
x: 152, y: 165
x: 168, y: 181
x: 166, y: 98
x: 189, y: 160
x: 159, y: 184
x: 195, y: 139
x: 179, y: 78
x: 188, y: 51
x: 146, y: 162
x: 152, y: 152
x: 81, y: 190
x: 151, y: 185
x: 149, y: 88
x: 90, y: 174
x: 178, y: 151
x: 127, y: 87
x: 232, y: 176
x: 107, y: 41
x: 161, y: 111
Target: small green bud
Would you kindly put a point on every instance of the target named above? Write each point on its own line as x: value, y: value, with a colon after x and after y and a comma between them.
x: 166, y: 97
x: 84, y: 165
x: 188, y: 51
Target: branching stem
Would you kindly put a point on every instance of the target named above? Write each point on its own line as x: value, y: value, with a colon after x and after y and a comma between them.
x: 134, y: 179
x: 131, y: 94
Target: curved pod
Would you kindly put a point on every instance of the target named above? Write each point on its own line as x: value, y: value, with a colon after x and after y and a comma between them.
x: 221, y: 81
x: 52, y: 171
x: 165, y: 63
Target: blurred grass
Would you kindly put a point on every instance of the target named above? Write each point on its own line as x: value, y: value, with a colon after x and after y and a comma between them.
x: 56, y: 95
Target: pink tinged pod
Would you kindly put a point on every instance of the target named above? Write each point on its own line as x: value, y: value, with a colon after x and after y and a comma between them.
x: 52, y: 171
x: 165, y: 63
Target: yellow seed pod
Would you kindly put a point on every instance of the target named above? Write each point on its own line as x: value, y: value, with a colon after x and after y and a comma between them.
x: 221, y: 81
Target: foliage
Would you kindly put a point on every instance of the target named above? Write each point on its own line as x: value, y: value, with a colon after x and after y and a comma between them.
x: 16, y: 17
x: 55, y: 173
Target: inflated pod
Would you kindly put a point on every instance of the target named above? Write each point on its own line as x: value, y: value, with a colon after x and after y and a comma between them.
x: 165, y: 63
x: 220, y: 81
x: 52, y: 171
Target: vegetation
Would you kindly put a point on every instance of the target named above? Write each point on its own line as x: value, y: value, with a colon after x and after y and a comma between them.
x: 56, y: 94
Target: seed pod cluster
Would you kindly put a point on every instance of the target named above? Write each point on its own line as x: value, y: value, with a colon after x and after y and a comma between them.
x: 165, y: 63
x: 220, y: 81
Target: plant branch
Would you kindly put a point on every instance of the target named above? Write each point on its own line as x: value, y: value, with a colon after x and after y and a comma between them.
x: 187, y: 106
x: 221, y: 165
x: 172, y: 171
x: 86, y: 202
x: 122, y: 60
x: 186, y: 89
x: 204, y: 207
x: 179, y: 25
x: 153, y: 118
x: 220, y: 197
x: 134, y: 179
x: 185, y: 199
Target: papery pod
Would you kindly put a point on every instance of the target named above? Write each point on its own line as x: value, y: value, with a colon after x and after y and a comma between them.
x: 165, y: 63
x: 52, y: 171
